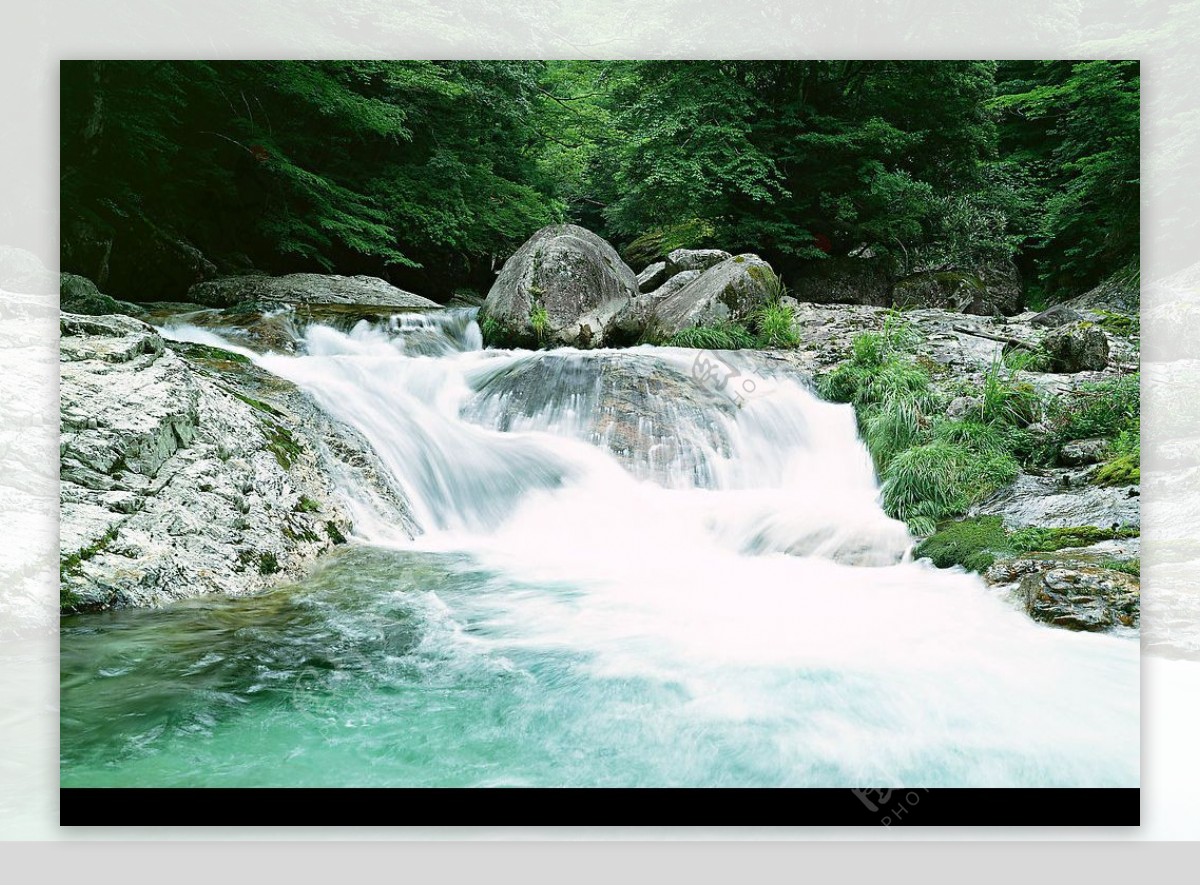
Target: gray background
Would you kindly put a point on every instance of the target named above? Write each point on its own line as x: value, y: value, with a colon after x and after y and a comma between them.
x: 34, y: 36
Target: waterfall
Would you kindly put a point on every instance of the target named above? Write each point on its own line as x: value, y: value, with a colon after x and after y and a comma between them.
x: 652, y: 566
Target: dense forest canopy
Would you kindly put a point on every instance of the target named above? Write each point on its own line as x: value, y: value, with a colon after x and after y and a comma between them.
x: 431, y: 173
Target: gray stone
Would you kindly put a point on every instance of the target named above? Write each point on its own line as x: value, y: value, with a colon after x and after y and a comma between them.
x: 1083, y: 452
x: 305, y: 289
x: 653, y: 277
x: 1082, y: 598
x: 1053, y: 317
x: 1077, y: 348
x: 986, y: 290
x: 573, y: 276
x: 695, y: 259
x: 635, y: 318
x: 79, y: 295
x: 1060, y: 500
x: 959, y: 407
x: 730, y: 290
x: 175, y: 484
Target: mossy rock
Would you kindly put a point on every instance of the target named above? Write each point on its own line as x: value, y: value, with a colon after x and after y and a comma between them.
x: 976, y: 542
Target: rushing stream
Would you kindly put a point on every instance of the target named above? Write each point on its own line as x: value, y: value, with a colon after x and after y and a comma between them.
x: 638, y: 567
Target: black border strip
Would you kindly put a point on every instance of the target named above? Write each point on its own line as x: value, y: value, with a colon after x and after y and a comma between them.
x: 365, y: 807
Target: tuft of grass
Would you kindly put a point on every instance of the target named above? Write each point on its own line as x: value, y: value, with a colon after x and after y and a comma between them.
x: 268, y: 563
x: 895, y: 426
x: 1124, y: 325
x: 926, y: 482
x: 335, y: 534
x: 727, y: 336
x: 1129, y: 567
x: 774, y: 325
x: 539, y: 322
x: 1005, y: 400
x: 1021, y: 360
x: 307, y: 505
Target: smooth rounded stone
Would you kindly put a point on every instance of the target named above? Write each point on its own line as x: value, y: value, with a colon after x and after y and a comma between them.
x: 575, y: 277
x: 731, y: 290
x: 1053, y: 317
x: 1059, y: 500
x: 1083, y: 452
x: 306, y: 289
x: 1082, y: 598
x: 1077, y: 348
x: 987, y: 290
x: 694, y: 259
x: 653, y: 277
x: 960, y: 407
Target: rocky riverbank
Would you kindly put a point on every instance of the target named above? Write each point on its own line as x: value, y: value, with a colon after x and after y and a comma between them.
x: 188, y: 470
x: 185, y: 470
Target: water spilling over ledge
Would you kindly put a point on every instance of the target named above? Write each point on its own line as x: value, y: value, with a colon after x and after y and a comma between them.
x: 634, y: 568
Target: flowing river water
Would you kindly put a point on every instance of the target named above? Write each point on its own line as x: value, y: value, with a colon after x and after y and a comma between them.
x: 646, y: 567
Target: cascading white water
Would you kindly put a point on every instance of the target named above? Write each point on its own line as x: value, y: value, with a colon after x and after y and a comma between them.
x: 716, y: 539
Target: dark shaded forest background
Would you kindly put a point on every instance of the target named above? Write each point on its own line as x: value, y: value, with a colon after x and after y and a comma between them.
x: 429, y: 174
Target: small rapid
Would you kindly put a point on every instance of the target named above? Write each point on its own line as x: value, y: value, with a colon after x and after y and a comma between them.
x: 640, y: 567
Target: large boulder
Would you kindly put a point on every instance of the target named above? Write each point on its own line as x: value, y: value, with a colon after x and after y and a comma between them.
x: 986, y: 290
x: 79, y: 295
x: 731, y: 290
x: 306, y: 289
x: 1077, y: 348
x: 853, y: 280
x: 565, y: 285
x: 1061, y: 499
x: 175, y: 483
x: 629, y: 326
x: 695, y: 259
x: 653, y: 277
x: 1053, y: 317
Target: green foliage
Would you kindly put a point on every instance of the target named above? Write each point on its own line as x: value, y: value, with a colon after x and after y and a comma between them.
x: 727, y: 336
x: 1037, y: 538
x: 539, y: 322
x: 1129, y: 567
x: 1021, y: 360
x: 335, y: 534
x: 931, y: 467
x: 307, y: 505
x: 976, y: 542
x: 1123, y: 470
x: 1007, y: 401
x: 1075, y: 126
x: 429, y: 171
x: 972, y: 544
x: 268, y: 563
x: 774, y: 325
x: 1109, y: 409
